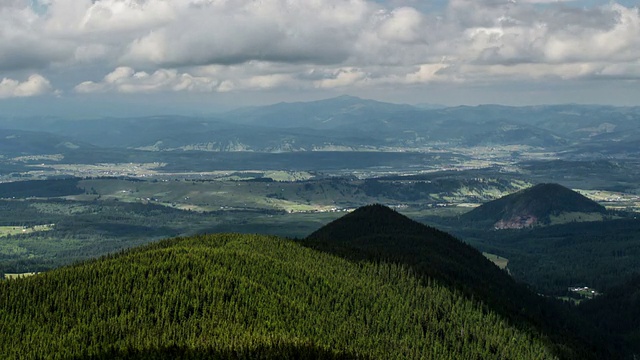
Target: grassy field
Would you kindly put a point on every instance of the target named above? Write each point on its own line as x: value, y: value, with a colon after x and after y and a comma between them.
x: 498, y: 260
x: 614, y: 200
x: 16, y: 230
x: 319, y: 196
x: 575, y: 217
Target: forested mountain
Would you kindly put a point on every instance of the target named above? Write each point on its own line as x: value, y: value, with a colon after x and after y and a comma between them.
x: 246, y: 297
x: 378, y: 233
x: 538, y: 205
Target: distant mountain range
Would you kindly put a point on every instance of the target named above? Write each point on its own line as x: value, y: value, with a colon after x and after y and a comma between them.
x: 352, y: 124
x: 21, y: 142
x: 538, y: 205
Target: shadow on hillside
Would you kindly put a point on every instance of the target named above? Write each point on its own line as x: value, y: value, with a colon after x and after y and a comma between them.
x: 376, y: 233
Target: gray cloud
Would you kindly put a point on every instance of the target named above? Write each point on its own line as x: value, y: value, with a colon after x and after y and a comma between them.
x: 216, y: 45
x: 236, y: 32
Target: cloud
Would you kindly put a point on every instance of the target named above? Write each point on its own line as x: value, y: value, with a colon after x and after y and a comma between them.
x: 609, y: 34
x: 33, y: 86
x: 21, y: 34
x: 403, y: 25
x: 221, y: 45
x: 342, y: 77
x: 221, y: 32
x: 127, y: 80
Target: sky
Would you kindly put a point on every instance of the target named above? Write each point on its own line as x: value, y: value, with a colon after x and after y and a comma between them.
x: 120, y: 57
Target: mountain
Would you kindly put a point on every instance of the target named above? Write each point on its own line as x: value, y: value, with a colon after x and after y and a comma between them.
x: 335, y: 113
x: 539, y: 205
x: 27, y: 143
x: 232, y: 296
x: 570, y: 121
x: 377, y: 233
x: 401, y: 125
x: 349, y: 123
x: 119, y: 132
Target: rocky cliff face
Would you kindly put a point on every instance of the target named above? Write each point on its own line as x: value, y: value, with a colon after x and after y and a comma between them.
x: 517, y: 222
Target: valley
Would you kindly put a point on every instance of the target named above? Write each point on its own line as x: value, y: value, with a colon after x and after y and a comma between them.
x: 551, y: 199
x: 97, y: 215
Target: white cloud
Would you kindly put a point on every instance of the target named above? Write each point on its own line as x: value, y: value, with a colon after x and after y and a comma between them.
x: 33, y: 86
x: 404, y: 25
x: 342, y: 77
x: 127, y: 15
x: 127, y: 80
x: 426, y: 73
x: 222, y: 45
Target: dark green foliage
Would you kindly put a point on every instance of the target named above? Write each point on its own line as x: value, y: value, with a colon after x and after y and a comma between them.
x: 377, y: 233
x: 599, y: 254
x: 244, y: 296
x: 84, y: 230
x: 40, y: 188
x: 540, y: 202
x: 618, y: 312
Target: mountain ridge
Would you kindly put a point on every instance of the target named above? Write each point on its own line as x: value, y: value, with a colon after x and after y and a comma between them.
x: 378, y: 233
x: 357, y: 124
x: 247, y: 296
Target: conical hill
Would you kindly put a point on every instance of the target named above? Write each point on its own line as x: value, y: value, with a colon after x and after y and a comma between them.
x: 537, y: 205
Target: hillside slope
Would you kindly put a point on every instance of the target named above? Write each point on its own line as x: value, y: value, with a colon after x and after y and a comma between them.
x: 618, y: 312
x: 598, y: 254
x: 380, y: 233
x: 246, y: 296
x: 377, y: 233
x: 533, y: 206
